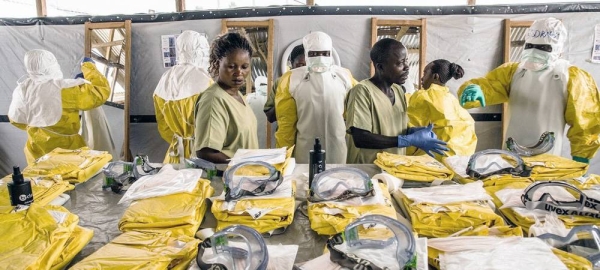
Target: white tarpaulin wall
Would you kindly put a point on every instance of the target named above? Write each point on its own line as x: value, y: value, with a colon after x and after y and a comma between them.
x: 472, y: 41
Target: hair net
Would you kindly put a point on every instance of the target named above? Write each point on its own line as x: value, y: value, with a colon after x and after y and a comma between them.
x: 42, y: 64
x: 192, y: 48
x: 547, y: 31
x: 317, y: 41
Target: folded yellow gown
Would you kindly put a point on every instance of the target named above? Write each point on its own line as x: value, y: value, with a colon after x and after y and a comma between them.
x: 36, y: 238
x: 75, y: 166
x: 143, y: 250
x: 279, y: 158
x: 329, y: 218
x: 413, y: 168
x: 179, y: 213
x: 45, y: 189
x: 76, y: 242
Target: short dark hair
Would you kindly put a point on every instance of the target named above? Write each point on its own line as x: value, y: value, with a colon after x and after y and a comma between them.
x: 225, y: 44
x: 297, y: 51
x: 381, y: 49
x: 446, y: 70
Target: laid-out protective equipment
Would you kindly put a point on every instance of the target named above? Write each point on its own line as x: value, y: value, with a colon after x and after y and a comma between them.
x: 548, y: 31
x: 479, y: 168
x: 341, y: 183
x: 422, y: 139
x: 544, y: 145
x: 251, y: 255
x: 578, y: 207
x: 581, y: 240
x: 393, y: 237
x: 318, y: 41
x: 240, y: 186
x: 75, y: 166
x: 472, y: 93
x: 45, y: 189
x: 413, y: 168
x: 120, y: 174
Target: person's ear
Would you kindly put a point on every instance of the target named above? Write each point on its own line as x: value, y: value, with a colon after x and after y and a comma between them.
x: 379, y: 66
x: 436, y: 76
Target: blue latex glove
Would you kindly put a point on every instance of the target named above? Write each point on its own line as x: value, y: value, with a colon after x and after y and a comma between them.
x: 79, y: 76
x: 472, y: 93
x: 422, y: 139
x: 87, y: 59
x: 412, y: 130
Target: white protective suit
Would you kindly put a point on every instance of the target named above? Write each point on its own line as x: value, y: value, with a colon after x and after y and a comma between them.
x: 257, y: 100
x: 310, y: 103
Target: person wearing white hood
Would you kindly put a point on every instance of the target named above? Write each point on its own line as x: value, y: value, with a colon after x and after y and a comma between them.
x: 544, y: 93
x: 310, y: 103
x: 47, y: 106
x: 176, y: 94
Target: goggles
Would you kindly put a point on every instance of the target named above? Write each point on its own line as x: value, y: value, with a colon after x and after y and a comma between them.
x: 544, y: 144
x: 339, y: 184
x: 548, y: 203
x: 235, y: 247
x: 396, y: 236
x: 240, y: 186
x: 120, y: 174
x: 583, y: 241
x: 490, y: 162
x: 145, y: 166
x: 198, y: 163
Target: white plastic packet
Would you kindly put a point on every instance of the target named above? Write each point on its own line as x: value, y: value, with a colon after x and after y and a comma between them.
x: 448, y: 194
x: 550, y: 224
x: 166, y: 182
x: 271, y: 156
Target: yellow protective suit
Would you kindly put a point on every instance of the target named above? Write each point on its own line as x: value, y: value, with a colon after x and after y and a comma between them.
x: 45, y: 189
x: 551, y: 167
x: 451, y: 123
x: 38, y: 238
x: 257, y: 170
x: 143, y: 250
x: 582, y: 112
x: 180, y: 214
x: 75, y: 166
x: 64, y: 134
x: 75, y: 244
x: 413, y: 168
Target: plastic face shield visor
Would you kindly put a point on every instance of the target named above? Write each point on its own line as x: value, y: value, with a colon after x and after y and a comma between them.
x: 544, y: 144
x: 340, y: 184
x: 238, y: 246
x: 486, y: 163
x: 583, y: 241
x: 237, y: 186
x: 385, y: 233
x: 581, y: 206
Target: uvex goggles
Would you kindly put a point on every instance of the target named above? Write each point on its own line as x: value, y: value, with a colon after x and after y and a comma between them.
x: 144, y: 163
x: 400, y: 237
x: 340, y: 184
x: 237, y: 245
x: 118, y: 171
x: 544, y: 144
x: 237, y: 186
x: 548, y: 203
x: 583, y: 241
x: 486, y: 163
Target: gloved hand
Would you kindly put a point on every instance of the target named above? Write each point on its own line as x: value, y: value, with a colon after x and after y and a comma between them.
x: 422, y: 139
x: 79, y: 76
x: 412, y: 130
x: 472, y: 93
x: 582, y: 160
x: 87, y: 59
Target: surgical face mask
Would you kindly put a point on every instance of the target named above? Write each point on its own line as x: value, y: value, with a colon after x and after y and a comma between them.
x: 536, y: 60
x: 340, y: 184
x: 238, y: 186
x: 319, y: 64
x: 234, y: 248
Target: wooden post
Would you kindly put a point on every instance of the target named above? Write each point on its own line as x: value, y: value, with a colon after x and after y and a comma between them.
x: 373, y: 40
x: 41, y: 8
x: 471, y: 2
x: 87, y: 46
x: 506, y: 58
x: 270, y: 67
x: 310, y: 2
x: 179, y: 5
x: 224, y: 26
x: 422, y: 50
x: 127, y: 106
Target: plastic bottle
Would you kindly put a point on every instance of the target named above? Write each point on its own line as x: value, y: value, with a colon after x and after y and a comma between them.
x: 19, y: 189
x: 317, y: 161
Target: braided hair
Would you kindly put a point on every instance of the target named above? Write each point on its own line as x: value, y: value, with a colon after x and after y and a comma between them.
x: 446, y: 70
x: 224, y: 45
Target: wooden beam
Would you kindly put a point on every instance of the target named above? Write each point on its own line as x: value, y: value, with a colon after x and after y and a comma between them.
x: 505, y: 58
x: 270, y: 67
x: 127, y: 87
x: 423, y: 50
x: 373, y: 40
x: 520, y: 23
x: 111, y: 37
x: 310, y: 2
x: 105, y: 25
x: 230, y: 23
x: 108, y: 44
x: 399, y: 22
x: 471, y: 2
x: 179, y: 5
x: 41, y: 8
x: 87, y: 43
x: 224, y: 28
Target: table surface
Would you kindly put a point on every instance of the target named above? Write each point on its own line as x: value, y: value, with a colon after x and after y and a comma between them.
x: 98, y: 210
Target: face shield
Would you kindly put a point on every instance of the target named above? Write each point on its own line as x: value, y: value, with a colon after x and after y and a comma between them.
x: 42, y: 64
x: 237, y: 186
x: 235, y: 247
x: 373, y: 242
x: 486, y: 163
x: 551, y: 200
x: 544, y: 144
x: 543, y: 33
x: 192, y: 48
x: 260, y: 84
x: 317, y: 42
x: 339, y: 184
x: 583, y: 241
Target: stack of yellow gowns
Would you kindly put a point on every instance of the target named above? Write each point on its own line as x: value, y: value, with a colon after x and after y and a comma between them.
x: 442, y: 211
x: 45, y: 189
x: 143, y: 250
x: 75, y: 166
x: 413, y: 168
x: 280, y: 159
x: 331, y: 217
x: 40, y: 237
x: 179, y: 213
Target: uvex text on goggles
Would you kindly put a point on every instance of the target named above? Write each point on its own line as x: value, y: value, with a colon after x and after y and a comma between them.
x: 570, y: 208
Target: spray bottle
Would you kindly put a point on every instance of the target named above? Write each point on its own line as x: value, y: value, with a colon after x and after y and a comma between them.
x: 317, y: 161
x: 19, y: 189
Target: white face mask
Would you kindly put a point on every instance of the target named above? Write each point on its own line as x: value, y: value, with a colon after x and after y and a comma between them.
x: 536, y: 60
x: 319, y: 64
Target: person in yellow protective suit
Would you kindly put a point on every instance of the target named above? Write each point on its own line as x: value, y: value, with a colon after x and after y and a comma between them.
x: 543, y: 93
x: 376, y: 118
x: 435, y: 104
x: 310, y: 102
x: 177, y: 92
x: 298, y: 60
x: 224, y: 120
x: 47, y: 106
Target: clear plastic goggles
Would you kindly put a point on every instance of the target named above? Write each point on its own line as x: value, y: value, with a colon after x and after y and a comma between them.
x: 490, y: 162
x: 583, y: 241
x: 381, y: 235
x: 235, y: 247
x: 144, y: 166
x: 581, y: 205
x: 339, y: 184
x: 237, y: 186
x: 545, y: 144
